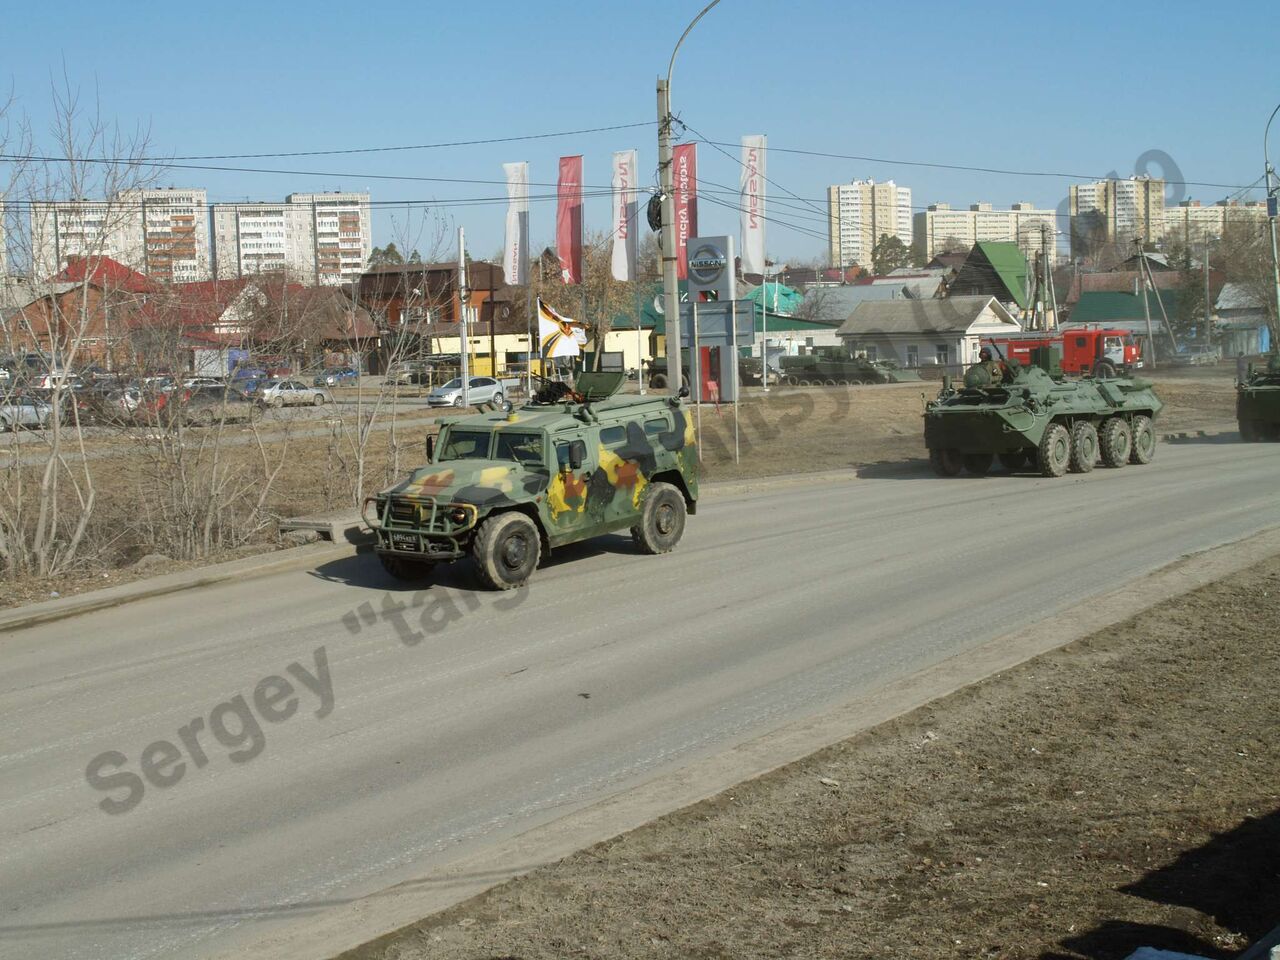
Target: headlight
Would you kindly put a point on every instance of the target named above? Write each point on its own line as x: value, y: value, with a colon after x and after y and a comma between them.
x: 458, y: 515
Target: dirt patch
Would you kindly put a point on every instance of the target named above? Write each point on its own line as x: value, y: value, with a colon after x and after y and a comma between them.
x: 1119, y: 792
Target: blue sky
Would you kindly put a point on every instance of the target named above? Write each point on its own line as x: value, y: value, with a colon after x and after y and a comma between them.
x: 1086, y: 88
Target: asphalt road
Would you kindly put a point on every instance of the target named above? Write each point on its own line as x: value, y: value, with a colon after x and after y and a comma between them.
x: 480, y: 715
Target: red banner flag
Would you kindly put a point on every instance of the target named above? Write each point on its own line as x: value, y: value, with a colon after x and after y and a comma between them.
x: 569, y: 220
x: 685, y: 178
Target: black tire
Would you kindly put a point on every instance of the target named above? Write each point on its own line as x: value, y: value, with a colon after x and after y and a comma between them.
x: 662, y: 519
x: 405, y: 568
x: 497, y: 397
x: 276, y: 403
x: 1105, y: 370
x: 1084, y: 446
x: 792, y: 381
x: 318, y: 400
x: 1143, y: 446
x: 978, y: 464
x: 945, y: 462
x: 204, y: 417
x: 658, y: 381
x: 1015, y: 461
x: 1115, y: 441
x: 457, y: 401
x: 506, y: 550
x: 1248, y: 431
x: 1054, y: 452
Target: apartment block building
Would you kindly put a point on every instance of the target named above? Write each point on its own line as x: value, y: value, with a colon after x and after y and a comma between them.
x: 160, y: 232
x: 1192, y: 223
x: 940, y: 227
x: 1116, y: 211
x: 862, y: 211
x: 320, y: 238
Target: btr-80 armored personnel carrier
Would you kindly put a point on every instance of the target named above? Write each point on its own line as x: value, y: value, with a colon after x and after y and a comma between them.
x: 508, y: 486
x: 1031, y: 414
x: 1258, y: 402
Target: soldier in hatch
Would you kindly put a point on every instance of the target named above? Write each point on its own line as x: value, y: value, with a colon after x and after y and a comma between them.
x: 987, y: 372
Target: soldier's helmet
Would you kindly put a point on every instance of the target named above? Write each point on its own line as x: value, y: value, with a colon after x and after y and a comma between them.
x: 984, y: 353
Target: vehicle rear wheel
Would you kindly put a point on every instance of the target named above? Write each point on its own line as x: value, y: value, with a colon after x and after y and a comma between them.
x: 497, y: 397
x: 405, y: 568
x: 205, y: 418
x: 1143, y: 447
x: 658, y: 381
x: 978, y: 464
x: 506, y: 550
x: 277, y: 403
x: 1104, y: 370
x: 1248, y: 431
x: 945, y: 462
x: 662, y: 520
x: 1015, y: 461
x: 1084, y: 446
x: 1115, y: 441
x: 318, y: 400
x: 1054, y: 452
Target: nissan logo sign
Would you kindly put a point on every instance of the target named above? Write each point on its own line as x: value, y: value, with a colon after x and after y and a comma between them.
x: 707, y: 263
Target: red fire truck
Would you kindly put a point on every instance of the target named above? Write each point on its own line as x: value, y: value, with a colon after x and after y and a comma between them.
x: 1090, y: 350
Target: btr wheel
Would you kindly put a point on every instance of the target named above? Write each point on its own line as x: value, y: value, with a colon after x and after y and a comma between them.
x: 1054, y: 451
x: 662, y: 519
x: 945, y: 463
x: 1084, y: 446
x: 1144, y: 441
x: 978, y: 464
x: 506, y: 550
x: 406, y: 569
x: 1015, y: 461
x: 1248, y: 431
x: 1115, y: 441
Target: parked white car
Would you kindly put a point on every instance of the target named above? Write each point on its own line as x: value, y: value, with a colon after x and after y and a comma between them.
x: 482, y: 390
x: 287, y: 393
x: 24, y: 412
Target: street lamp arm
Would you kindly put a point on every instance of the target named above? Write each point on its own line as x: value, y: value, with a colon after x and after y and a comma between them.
x: 671, y: 65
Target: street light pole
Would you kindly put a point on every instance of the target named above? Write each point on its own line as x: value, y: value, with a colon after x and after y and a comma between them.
x: 670, y: 283
x: 1272, y: 200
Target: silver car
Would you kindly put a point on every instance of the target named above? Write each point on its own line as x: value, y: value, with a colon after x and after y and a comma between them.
x: 18, y: 412
x: 287, y: 393
x: 482, y: 390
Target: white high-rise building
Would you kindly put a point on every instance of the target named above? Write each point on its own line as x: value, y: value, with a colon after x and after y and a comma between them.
x: 163, y: 233
x: 861, y: 212
x: 320, y: 238
x: 1190, y: 223
x: 1116, y: 211
x: 940, y: 227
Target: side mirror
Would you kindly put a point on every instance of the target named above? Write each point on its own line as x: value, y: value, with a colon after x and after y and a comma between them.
x: 577, y: 454
x: 431, y: 447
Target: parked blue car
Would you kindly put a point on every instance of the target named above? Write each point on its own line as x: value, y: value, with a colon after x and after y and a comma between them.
x: 333, y: 376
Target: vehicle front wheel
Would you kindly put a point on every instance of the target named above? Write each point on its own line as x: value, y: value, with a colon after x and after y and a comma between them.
x: 457, y: 401
x: 318, y: 400
x: 405, y: 568
x: 1143, y: 448
x: 497, y: 397
x: 945, y: 463
x: 662, y: 520
x: 277, y: 403
x: 506, y: 550
x: 1104, y: 371
x: 1055, y: 451
x: 978, y: 464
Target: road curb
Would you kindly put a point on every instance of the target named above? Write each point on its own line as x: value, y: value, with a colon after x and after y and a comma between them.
x: 366, y: 921
x: 279, y: 561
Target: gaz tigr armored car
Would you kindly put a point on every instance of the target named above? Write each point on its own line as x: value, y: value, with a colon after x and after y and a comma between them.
x: 508, y: 486
x: 1030, y: 414
x: 1258, y: 402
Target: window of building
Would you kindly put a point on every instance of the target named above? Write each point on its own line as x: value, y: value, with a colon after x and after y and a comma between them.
x: 913, y: 355
x: 942, y: 354
x: 871, y: 351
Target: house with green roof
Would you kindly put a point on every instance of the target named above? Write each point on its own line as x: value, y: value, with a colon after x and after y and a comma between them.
x: 994, y: 269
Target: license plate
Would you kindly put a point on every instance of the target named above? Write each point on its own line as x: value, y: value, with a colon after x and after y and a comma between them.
x: 404, y: 541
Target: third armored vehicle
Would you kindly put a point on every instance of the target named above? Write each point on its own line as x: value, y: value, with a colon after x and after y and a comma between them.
x: 834, y: 366
x: 1031, y: 414
x: 1258, y: 402
x: 508, y: 486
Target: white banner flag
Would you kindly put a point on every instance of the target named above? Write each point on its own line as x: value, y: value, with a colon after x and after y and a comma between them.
x: 626, y: 229
x: 515, y: 257
x: 751, y: 200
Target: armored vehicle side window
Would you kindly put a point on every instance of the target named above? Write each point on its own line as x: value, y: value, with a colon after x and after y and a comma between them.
x: 466, y: 445
x: 655, y: 427
x: 521, y: 447
x: 562, y: 454
x: 611, y: 436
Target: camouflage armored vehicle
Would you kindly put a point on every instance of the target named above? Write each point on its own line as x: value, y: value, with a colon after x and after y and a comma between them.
x: 835, y: 366
x: 508, y: 486
x: 1030, y: 414
x: 1258, y: 402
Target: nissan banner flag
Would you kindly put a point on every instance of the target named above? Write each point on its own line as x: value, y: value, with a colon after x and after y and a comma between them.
x: 751, y: 200
x: 515, y: 256
x: 569, y: 219
x: 685, y: 179
x: 625, y: 209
